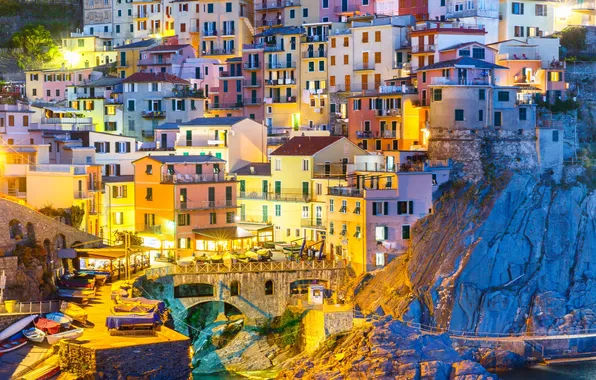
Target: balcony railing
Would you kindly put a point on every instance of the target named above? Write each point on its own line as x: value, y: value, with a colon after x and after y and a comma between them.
x: 364, y: 66
x: 388, y: 112
x: 282, y: 99
x: 229, y: 32
x: 152, y: 229
x: 387, y: 134
x: 252, y: 83
x: 195, y: 178
x: 225, y: 106
x: 266, y: 23
x: 280, y: 82
x: 251, y: 65
x: 345, y: 9
x: 154, y: 114
x: 314, y: 38
x: 227, y: 74
x: 219, y: 52
x: 314, y: 54
x: 283, y: 196
x: 207, y: 205
x: 456, y: 81
x: 58, y: 168
x: 345, y: 191
x: 80, y: 195
x: 120, y: 63
x: 67, y: 120
x: 264, y: 5
x: 209, y: 33
x: 281, y: 65
x: 316, y: 223
x: 253, y: 101
x: 423, y: 48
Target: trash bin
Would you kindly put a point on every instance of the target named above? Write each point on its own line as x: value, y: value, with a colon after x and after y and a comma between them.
x: 9, y: 306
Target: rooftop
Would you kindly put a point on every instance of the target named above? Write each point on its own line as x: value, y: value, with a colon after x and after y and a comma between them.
x: 463, y: 44
x: 463, y: 61
x: 256, y: 169
x: 170, y: 126
x: 305, y: 145
x: 196, y: 159
x: 155, y: 77
x: 214, y: 121
x: 102, y: 82
x: 121, y: 178
x: 282, y: 30
x: 136, y: 45
x: 167, y: 48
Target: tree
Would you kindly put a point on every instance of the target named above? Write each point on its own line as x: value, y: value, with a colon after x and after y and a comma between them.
x: 34, y: 47
x: 135, y: 239
x: 76, y: 216
x: 573, y: 38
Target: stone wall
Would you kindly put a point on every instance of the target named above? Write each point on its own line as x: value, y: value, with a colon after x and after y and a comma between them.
x: 478, y: 151
x: 317, y: 325
x: 169, y: 360
x: 7, y: 320
x: 9, y: 265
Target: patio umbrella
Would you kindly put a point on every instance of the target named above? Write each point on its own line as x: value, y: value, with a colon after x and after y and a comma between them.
x: 321, y: 250
x: 303, y: 246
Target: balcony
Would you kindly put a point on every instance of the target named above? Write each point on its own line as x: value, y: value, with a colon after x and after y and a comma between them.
x: 314, y: 54
x: 120, y: 63
x: 446, y: 26
x: 315, y: 223
x: 220, y: 52
x: 330, y: 170
x: 456, y: 81
x: 94, y: 186
x: 280, y: 82
x: 424, y: 48
x: 388, y: 112
x: 67, y: 120
x: 345, y: 191
x: 525, y: 56
x: 153, y: 114
x: 227, y: 74
x: 140, y: 15
x: 346, y: 9
x: 251, y: 65
x: 252, y: 83
x: 252, y: 101
x: 156, y: 61
x: 364, y: 66
x: 58, y: 168
x: 291, y: 195
x: 229, y: 32
x: 385, y: 134
x: 209, y: 33
x: 282, y: 99
x: 80, y: 195
x: 266, y: 5
x: 195, y: 178
x: 225, y: 106
x: 269, y: 23
x: 206, y: 205
x: 281, y: 65
x: 152, y: 230
x: 314, y: 38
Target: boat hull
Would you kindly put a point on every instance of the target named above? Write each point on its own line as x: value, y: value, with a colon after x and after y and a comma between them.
x: 34, y: 334
x: 12, y: 344
x: 16, y: 327
x: 71, y: 334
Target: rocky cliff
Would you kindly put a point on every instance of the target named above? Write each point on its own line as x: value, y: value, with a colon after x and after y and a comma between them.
x: 510, y: 256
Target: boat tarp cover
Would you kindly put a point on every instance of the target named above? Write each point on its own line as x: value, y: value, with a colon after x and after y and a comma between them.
x: 48, y: 326
x: 161, y: 306
x: 115, y: 321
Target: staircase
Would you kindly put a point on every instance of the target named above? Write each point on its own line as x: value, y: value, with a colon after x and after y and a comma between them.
x: 248, y: 25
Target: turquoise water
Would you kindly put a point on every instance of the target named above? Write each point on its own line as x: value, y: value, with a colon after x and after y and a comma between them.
x: 577, y: 371
x: 219, y: 376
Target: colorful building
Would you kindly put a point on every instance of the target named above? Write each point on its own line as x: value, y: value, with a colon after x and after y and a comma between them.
x: 128, y: 56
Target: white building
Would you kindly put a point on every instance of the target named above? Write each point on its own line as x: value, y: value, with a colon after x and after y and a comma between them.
x: 521, y: 19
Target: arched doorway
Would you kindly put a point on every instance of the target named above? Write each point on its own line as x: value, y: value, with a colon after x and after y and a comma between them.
x: 30, y: 231
x: 15, y: 229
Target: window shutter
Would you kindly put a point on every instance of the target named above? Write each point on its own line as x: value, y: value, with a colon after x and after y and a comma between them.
x: 107, y: 147
x: 97, y: 148
x: 117, y: 147
x: 173, y: 104
x: 107, y: 170
x: 125, y: 191
x: 386, y: 232
x: 411, y: 207
x: 398, y: 209
x: 159, y: 86
x: 118, y: 169
x: 128, y: 147
x: 188, y: 221
x: 188, y: 240
x: 374, y: 208
x: 114, y: 191
x: 149, y: 84
x: 385, y: 208
x: 183, y: 104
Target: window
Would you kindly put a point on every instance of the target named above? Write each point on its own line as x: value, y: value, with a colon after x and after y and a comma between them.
x: 364, y: 37
x: 333, y: 43
x: 358, y: 233
x: 277, y: 210
x: 437, y: 94
x: 131, y: 105
x: 480, y: 115
x: 122, y: 147
x: 481, y: 94
x: 380, y: 259
x: 184, y: 219
x: 332, y: 62
x: 149, y: 220
x: 498, y: 119
x: 269, y: 288
x: 459, y: 115
x: 405, y: 232
x: 503, y: 96
x: 149, y: 194
x: 555, y: 136
x: 523, y: 113
x: 517, y: 8
x: 305, y: 12
x: 518, y: 31
x: 344, y: 206
x: 292, y: 13
x: 464, y: 52
x: 381, y: 233
x: 325, y: 4
x: 277, y: 164
x: 230, y: 217
x: 344, y: 230
x: 331, y: 205
x: 228, y: 7
x: 541, y: 10
x: 305, y: 211
x: 378, y: 57
x: 321, y: 65
x: 346, y: 42
x: 357, y: 104
x: 346, y: 59
x: 380, y: 208
x: 305, y: 165
x: 554, y: 76
x: 234, y: 288
x: 212, y: 218
x: 209, y: 8
x: 149, y: 169
x: 377, y: 36
x: 424, y: 77
x: 120, y: 191
x: 119, y: 218
x: 405, y: 207
x: 478, y: 53
x: 331, y: 228
x: 311, y: 67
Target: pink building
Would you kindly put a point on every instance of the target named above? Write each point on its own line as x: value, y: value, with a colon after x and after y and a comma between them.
x: 253, y: 89
x: 340, y: 10
x: 161, y: 58
x: 50, y: 85
x: 226, y: 100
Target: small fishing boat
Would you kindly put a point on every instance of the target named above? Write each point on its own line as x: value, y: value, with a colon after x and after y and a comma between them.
x: 47, y: 326
x: 64, y: 320
x: 86, y: 293
x: 74, y: 311
x: 16, y: 341
x: 80, y: 281
x: 101, y: 277
x: 16, y: 327
x: 34, y: 334
x: 69, y: 334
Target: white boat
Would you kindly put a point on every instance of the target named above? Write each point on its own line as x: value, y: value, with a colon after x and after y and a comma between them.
x: 34, y: 334
x: 70, y: 334
x: 64, y: 320
x: 16, y: 327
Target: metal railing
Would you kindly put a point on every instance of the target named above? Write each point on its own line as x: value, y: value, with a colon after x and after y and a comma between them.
x: 314, y: 54
x: 252, y: 83
x: 40, y: 307
x: 194, y: 178
x: 225, y: 106
x: 423, y: 48
x: 280, y: 82
x: 209, y: 33
x: 153, y: 114
x: 281, y: 65
x: 275, y: 4
x: 283, y: 99
x: 345, y: 191
x: 364, y: 66
x: 67, y: 120
x: 152, y: 229
x: 58, y: 168
x: 314, y: 38
x: 266, y: 23
x: 229, y: 32
x: 284, y: 196
x: 253, y: 101
x: 456, y: 81
x: 388, y: 112
x: 317, y: 223
x: 219, y: 52
x: 207, y: 205
x: 272, y: 266
x: 251, y: 65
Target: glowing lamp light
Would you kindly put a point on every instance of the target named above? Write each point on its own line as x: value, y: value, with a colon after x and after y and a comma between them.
x: 72, y: 57
x: 563, y: 12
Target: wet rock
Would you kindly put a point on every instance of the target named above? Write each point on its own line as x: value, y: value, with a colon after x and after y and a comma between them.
x: 502, y: 360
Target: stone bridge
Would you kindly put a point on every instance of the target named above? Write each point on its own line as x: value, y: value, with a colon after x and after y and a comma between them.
x: 259, y: 290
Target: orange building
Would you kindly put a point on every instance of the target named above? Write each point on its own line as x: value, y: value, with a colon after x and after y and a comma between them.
x: 186, y: 202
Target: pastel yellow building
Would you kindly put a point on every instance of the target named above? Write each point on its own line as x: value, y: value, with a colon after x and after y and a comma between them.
x: 118, y: 206
x: 81, y: 50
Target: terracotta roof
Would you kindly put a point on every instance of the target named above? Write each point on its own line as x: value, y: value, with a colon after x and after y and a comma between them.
x: 305, y: 145
x: 167, y: 47
x: 154, y: 77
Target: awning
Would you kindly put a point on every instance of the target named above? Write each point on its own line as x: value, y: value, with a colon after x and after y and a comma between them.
x: 223, y: 233
x: 110, y: 253
x: 256, y: 226
x: 62, y: 109
x: 67, y: 253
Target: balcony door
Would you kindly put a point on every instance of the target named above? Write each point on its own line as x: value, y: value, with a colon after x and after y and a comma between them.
x: 344, y: 5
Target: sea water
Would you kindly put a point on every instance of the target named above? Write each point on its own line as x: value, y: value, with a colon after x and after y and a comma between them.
x: 575, y: 371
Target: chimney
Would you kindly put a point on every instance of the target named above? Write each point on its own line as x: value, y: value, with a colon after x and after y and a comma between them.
x: 252, y: 170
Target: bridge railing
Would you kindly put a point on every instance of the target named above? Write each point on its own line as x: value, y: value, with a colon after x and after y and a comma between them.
x: 41, y: 307
x: 270, y: 266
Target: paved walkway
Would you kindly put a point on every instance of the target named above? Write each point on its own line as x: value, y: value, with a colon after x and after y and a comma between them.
x: 20, y: 360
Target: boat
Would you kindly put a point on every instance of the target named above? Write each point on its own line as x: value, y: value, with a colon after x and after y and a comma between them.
x: 73, y: 299
x: 16, y: 327
x: 101, y: 276
x: 158, y: 305
x: 74, y: 311
x: 47, y: 326
x: 34, y: 334
x: 64, y: 320
x: 79, y: 281
x: 62, y: 292
x: 69, y: 334
x: 16, y: 341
